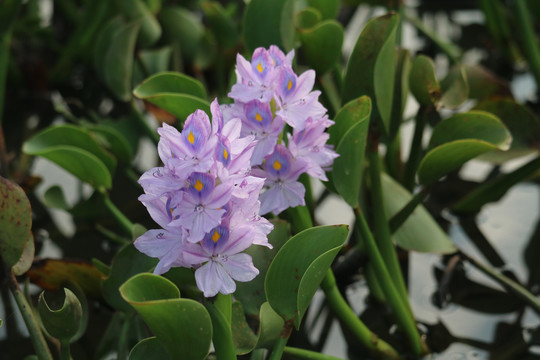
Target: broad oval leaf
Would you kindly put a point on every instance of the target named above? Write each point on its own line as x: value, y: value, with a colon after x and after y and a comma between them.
x: 327, y: 35
x: 371, y: 67
x: 27, y: 257
x: 483, y: 84
x: 423, y: 82
x: 419, y: 232
x: 15, y: 221
x: 82, y: 164
x: 54, y: 198
x: 149, y: 349
x: 221, y: 24
x: 401, y: 90
x: 69, y: 135
x: 299, y: 267
x: 113, y: 56
x: 328, y: 8
x: 179, y: 105
x: 307, y: 18
x: 61, y: 317
x: 184, y: 28
x: 138, y: 10
x: 455, y: 89
x: 114, y: 141
x: 268, y: 23
x: 349, y: 136
x: 183, y: 326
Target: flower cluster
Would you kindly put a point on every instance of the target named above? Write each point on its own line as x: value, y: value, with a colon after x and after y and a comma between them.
x: 267, y: 96
x: 219, y: 176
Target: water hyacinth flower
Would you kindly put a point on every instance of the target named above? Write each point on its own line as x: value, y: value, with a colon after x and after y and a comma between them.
x: 220, y: 176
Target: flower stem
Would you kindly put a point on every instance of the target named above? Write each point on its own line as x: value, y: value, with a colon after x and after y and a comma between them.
x: 65, y: 352
x: 38, y: 340
x: 221, y: 334
x: 402, y: 312
x: 123, y: 221
x: 402, y: 215
x: 279, y: 346
x: 307, y: 354
x: 378, y: 347
x: 415, y: 154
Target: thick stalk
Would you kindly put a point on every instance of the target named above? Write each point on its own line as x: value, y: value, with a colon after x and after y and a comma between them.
x: 222, y: 335
x: 402, y: 313
x: 121, y: 219
x: 307, y: 355
x: 65, y: 352
x: 378, y: 347
x: 279, y: 346
x: 36, y: 336
x: 382, y: 230
x: 528, y: 38
x: 416, y: 150
x: 402, y: 215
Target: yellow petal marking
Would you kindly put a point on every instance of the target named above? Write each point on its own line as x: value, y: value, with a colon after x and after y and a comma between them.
x: 277, y: 165
x: 215, y: 236
x: 198, y: 185
x: 260, y: 68
x: 258, y: 117
x: 225, y: 154
x: 289, y: 85
x: 191, y: 138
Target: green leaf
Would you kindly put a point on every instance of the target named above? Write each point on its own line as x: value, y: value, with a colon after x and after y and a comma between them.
x: 328, y: 8
x: 483, y: 83
x: 401, y: 90
x: 221, y: 24
x: 455, y: 89
x: 82, y: 164
x: 126, y: 263
x: 522, y: 123
x: 184, y: 28
x: 69, y: 135
x: 113, y: 56
x: 349, y: 135
x: 149, y: 349
x: 54, y: 198
x: 156, y: 60
x: 27, y: 257
x: 307, y: 18
x: 419, y: 232
x: 423, y: 82
x: 150, y: 30
x: 183, y: 326
x: 299, y: 267
x: 114, y: 141
x: 61, y: 315
x: 15, y: 221
x: 176, y: 93
x: 268, y: 23
x: 371, y: 67
x: 327, y: 35
x: 251, y: 294
x: 243, y: 337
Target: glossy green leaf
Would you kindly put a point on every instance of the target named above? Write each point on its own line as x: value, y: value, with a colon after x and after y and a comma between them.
x: 169, y: 82
x: 221, y: 24
x: 327, y: 35
x: 15, y: 221
x: 244, y: 338
x: 268, y: 23
x: 184, y: 28
x: 54, y: 198
x: 328, y: 8
x: 113, y: 56
x: 299, y: 267
x: 176, y: 93
x: 222, y: 337
x: 307, y: 18
x: 522, y: 123
x: 455, y: 89
x: 401, y: 90
x: 149, y: 349
x: 483, y: 83
x: 150, y: 30
x: 114, y: 141
x: 27, y: 257
x: 183, y: 326
x: 61, y: 315
x: 371, y: 67
x: 82, y: 164
x: 126, y: 263
x: 156, y: 60
x: 69, y: 135
x: 251, y: 294
x: 420, y: 232
x: 349, y: 135
x: 423, y: 82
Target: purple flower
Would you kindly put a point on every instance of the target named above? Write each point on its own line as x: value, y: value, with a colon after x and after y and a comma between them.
x: 222, y: 263
x: 165, y: 245
x: 282, y: 188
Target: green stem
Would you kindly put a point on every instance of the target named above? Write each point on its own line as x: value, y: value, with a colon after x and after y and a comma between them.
x: 123, y: 337
x: 111, y: 235
x: 382, y: 230
x: 415, y: 154
x: 221, y: 334
x: 402, y: 312
x: 123, y: 221
x: 307, y: 354
x: 331, y: 92
x: 279, y: 346
x: 257, y: 354
x: 152, y: 134
x: 506, y: 282
x: 36, y: 336
x: 352, y: 322
x: 392, y: 158
x: 65, y: 352
x: 402, y: 215
x: 528, y: 37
